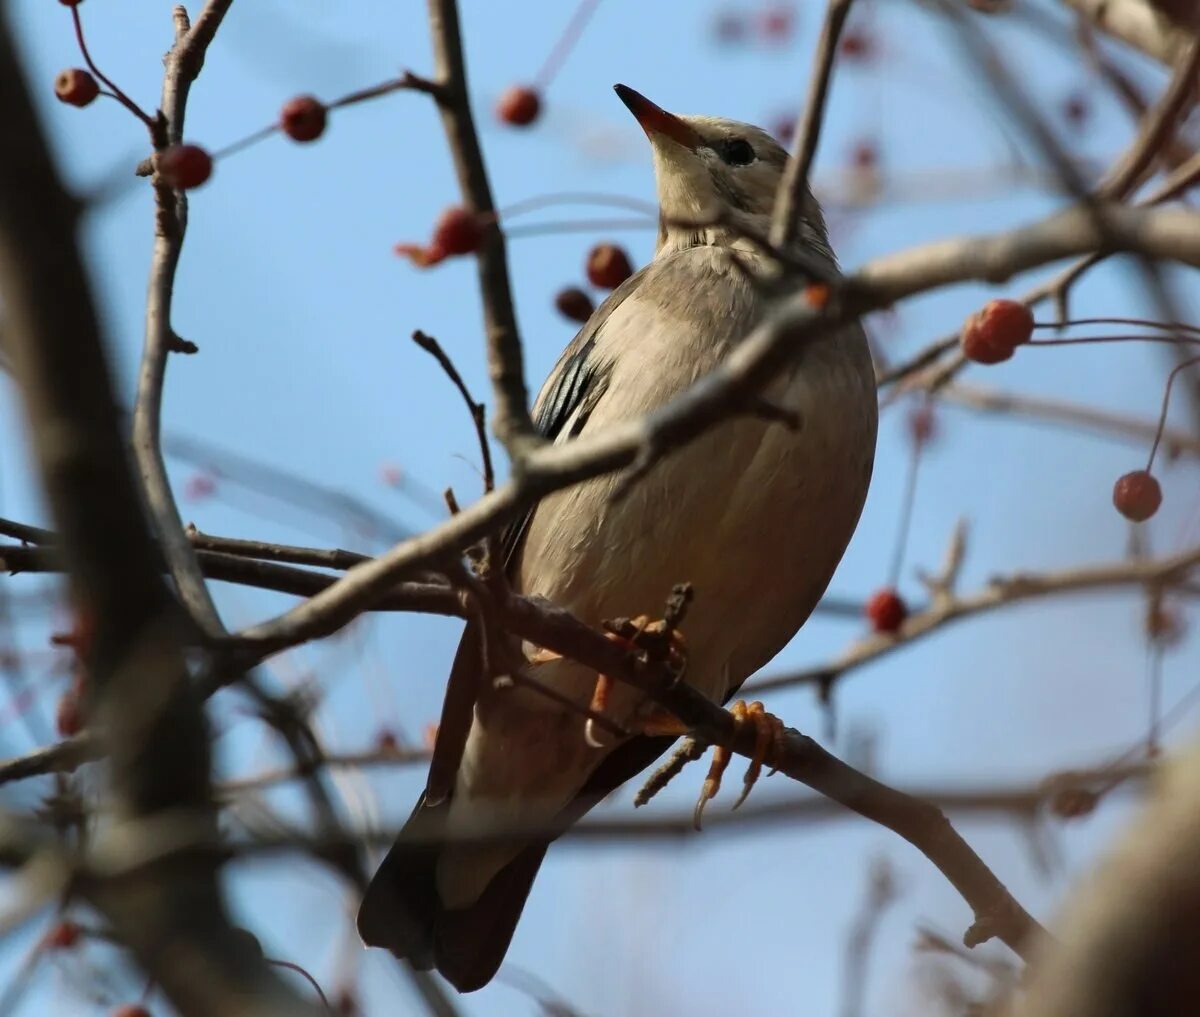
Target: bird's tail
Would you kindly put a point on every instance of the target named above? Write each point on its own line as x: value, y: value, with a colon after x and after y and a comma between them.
x: 402, y: 912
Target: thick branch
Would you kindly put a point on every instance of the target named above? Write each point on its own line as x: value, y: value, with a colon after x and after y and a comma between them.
x: 172, y: 914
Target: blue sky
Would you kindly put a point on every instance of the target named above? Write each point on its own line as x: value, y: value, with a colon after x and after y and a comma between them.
x: 302, y: 315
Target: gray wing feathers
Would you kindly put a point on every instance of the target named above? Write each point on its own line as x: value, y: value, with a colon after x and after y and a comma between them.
x: 572, y: 390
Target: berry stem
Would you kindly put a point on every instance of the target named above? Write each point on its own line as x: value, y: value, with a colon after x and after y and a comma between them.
x: 1166, y: 401
x: 566, y: 42
x: 350, y: 99
x: 1154, y: 729
x: 1173, y: 340
x: 1145, y: 322
x: 300, y: 971
x: 250, y: 139
x: 540, y: 201
x: 906, y: 513
x: 115, y: 91
x: 577, y: 226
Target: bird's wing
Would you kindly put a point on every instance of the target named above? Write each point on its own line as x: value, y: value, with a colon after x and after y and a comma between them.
x: 569, y: 394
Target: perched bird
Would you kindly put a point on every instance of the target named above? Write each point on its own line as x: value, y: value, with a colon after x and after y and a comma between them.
x: 755, y: 514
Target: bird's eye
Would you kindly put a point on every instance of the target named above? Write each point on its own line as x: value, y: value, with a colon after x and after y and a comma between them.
x: 735, y: 151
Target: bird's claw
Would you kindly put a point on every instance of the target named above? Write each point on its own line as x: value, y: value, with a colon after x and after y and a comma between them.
x: 640, y: 634
x: 768, y: 744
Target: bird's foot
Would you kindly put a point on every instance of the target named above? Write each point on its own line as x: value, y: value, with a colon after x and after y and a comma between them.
x: 655, y: 637
x: 768, y: 743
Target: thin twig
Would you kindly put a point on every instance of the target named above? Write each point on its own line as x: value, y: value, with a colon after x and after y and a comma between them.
x: 478, y: 415
x: 789, y: 200
x: 1156, y: 131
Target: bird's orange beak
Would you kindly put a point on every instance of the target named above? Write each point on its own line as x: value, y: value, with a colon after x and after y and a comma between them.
x: 656, y: 120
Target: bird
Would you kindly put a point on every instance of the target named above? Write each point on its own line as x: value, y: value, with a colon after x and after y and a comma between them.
x: 755, y: 514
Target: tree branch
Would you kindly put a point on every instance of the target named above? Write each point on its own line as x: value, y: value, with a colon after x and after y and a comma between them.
x: 789, y: 200
x: 1000, y: 592
x: 506, y: 364
x: 171, y: 915
x: 183, y: 63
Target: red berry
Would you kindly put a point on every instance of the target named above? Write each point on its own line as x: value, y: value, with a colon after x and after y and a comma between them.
x: 75, y: 86
x: 777, y: 23
x: 1164, y: 625
x: 62, y: 936
x: 199, y: 486
x: 184, y: 166
x: 864, y: 155
x: 130, y: 1010
x: 385, y: 740
x: 70, y: 3
x: 886, y: 611
x: 608, y: 266
x: 518, y: 106
x: 303, y: 118
x: 922, y: 424
x: 573, y: 303
x: 457, y: 232
x: 1137, y: 495
x: 782, y: 128
x: 857, y: 44
x: 994, y: 332
x: 68, y: 716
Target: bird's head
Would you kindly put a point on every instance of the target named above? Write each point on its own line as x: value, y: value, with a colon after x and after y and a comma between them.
x: 708, y: 168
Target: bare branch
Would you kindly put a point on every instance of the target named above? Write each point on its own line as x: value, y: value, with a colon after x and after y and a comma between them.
x: 172, y: 915
x: 183, y: 63
x: 789, y: 200
x: 1069, y: 414
x: 1000, y: 592
x: 1157, y: 129
x: 506, y: 363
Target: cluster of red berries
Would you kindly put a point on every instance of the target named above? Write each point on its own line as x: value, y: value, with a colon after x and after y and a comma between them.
x: 993, y: 333
x: 185, y: 166
x: 606, y: 267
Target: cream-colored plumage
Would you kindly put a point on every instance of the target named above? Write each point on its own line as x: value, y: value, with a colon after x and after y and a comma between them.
x: 754, y: 514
